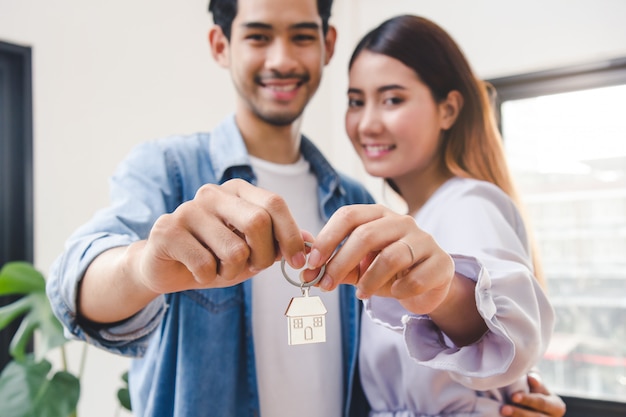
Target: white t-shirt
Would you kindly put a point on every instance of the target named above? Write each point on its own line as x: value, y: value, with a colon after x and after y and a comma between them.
x: 299, y: 380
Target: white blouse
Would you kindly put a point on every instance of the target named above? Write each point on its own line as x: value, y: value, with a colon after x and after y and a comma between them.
x: 409, y: 368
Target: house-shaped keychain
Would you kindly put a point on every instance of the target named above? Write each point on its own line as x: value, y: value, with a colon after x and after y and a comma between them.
x: 306, y: 318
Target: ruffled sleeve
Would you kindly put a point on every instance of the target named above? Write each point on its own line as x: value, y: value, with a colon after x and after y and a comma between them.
x: 480, y: 227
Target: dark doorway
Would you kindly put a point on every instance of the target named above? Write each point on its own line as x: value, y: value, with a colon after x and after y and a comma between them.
x: 16, y: 166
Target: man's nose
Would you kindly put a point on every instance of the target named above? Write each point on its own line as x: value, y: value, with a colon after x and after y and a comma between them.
x: 281, y: 57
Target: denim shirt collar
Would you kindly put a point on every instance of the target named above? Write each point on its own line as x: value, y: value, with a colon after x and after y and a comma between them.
x: 228, y: 151
x: 230, y: 160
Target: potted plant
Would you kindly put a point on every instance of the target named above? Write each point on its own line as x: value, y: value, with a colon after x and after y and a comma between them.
x: 29, y: 387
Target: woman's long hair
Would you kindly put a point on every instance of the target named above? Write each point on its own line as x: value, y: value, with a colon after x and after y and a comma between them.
x: 472, y: 147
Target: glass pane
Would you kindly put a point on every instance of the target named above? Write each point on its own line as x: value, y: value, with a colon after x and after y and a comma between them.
x: 568, y: 155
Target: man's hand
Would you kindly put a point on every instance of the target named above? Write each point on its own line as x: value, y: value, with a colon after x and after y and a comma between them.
x: 538, y: 403
x: 222, y: 237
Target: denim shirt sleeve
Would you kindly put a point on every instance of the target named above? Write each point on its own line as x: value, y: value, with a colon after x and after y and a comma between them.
x: 142, y: 188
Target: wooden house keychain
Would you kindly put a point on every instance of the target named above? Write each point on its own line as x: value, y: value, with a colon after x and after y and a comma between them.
x: 306, y: 315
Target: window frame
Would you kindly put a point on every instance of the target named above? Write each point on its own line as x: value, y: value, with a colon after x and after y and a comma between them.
x: 16, y: 166
x: 559, y: 80
x: 554, y: 81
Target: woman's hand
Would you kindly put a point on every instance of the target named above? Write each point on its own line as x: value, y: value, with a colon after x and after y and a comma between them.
x: 539, y: 402
x: 384, y: 254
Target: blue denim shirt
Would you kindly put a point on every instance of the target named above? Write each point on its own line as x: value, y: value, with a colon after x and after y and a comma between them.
x: 193, y: 350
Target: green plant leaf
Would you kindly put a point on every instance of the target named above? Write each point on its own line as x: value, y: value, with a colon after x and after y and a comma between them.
x: 39, y: 317
x: 22, y: 336
x: 49, y: 327
x: 20, y: 278
x: 27, y: 391
x: 23, y: 278
x: 123, y: 394
x: 12, y: 311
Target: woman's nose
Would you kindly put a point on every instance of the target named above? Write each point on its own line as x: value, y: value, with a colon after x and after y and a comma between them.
x: 370, y: 123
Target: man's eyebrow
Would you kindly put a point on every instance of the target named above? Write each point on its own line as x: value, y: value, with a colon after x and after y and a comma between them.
x: 256, y: 25
x: 267, y: 26
x: 306, y: 25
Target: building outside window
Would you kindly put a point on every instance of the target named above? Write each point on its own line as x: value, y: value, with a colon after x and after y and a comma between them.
x: 565, y: 137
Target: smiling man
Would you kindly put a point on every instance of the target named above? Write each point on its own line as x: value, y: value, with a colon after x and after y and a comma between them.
x: 276, y: 65
x: 164, y: 272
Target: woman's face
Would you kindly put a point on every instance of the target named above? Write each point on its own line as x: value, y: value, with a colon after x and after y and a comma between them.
x: 392, y: 119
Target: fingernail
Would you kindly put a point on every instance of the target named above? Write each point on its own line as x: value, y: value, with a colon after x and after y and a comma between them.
x: 506, y: 410
x: 314, y: 259
x: 361, y: 295
x: 535, y: 375
x: 327, y: 283
x: 298, y: 260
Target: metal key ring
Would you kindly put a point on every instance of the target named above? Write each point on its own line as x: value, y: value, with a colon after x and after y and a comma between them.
x: 302, y: 284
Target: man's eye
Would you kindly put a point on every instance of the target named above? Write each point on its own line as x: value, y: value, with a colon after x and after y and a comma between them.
x: 257, y: 37
x: 304, y: 38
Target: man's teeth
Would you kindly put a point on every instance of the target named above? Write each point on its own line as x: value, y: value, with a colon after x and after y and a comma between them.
x: 282, y: 88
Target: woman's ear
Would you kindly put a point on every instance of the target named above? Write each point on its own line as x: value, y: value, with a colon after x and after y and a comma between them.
x: 450, y: 109
x: 219, y: 46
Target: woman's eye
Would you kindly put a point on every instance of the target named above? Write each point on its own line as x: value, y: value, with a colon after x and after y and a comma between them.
x: 352, y: 102
x: 393, y: 100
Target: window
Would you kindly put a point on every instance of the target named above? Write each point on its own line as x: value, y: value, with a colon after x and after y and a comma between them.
x: 16, y: 166
x: 565, y: 137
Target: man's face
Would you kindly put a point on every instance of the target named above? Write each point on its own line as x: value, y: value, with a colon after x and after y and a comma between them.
x: 276, y: 55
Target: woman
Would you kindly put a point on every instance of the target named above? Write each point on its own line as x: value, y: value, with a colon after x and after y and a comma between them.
x: 454, y: 312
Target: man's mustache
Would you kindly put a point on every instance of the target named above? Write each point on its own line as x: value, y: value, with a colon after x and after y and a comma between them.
x: 275, y: 75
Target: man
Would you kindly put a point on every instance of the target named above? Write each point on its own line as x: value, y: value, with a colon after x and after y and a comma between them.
x: 163, y: 272
x: 171, y: 233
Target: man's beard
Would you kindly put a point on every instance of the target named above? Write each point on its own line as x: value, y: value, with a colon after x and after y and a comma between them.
x: 278, y: 119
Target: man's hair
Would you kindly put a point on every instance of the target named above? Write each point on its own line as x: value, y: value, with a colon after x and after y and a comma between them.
x: 224, y: 12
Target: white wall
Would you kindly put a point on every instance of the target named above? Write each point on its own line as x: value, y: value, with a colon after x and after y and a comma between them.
x: 110, y: 74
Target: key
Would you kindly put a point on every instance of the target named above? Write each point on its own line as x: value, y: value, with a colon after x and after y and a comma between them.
x: 306, y: 315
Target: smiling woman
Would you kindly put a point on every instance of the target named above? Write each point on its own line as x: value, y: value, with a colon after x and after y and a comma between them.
x: 16, y: 185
